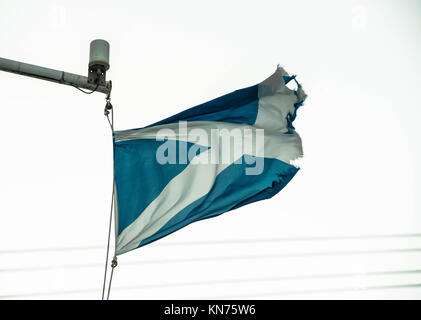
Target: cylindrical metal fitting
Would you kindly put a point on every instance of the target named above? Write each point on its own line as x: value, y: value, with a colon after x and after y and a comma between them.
x: 99, y: 54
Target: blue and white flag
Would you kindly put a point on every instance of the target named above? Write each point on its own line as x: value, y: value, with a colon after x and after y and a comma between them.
x: 207, y: 160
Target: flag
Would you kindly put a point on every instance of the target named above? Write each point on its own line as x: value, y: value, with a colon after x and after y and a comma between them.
x: 204, y: 161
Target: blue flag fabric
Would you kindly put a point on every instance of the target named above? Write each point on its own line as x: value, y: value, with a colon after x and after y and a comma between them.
x: 207, y: 160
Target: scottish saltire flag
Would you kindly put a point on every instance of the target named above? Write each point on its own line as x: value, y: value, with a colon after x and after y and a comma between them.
x: 207, y: 160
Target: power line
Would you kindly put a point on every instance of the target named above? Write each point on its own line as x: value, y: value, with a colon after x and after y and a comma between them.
x: 222, y: 258
x: 227, y: 241
x: 316, y: 291
x: 37, y: 250
x: 295, y: 239
x: 223, y: 281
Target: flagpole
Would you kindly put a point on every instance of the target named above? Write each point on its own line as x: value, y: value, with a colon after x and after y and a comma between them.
x: 99, y: 52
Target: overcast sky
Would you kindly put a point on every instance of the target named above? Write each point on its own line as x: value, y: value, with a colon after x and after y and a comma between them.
x: 359, y: 64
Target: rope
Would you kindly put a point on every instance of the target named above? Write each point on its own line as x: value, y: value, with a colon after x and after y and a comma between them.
x: 108, y: 242
x: 113, y: 265
x: 107, y: 110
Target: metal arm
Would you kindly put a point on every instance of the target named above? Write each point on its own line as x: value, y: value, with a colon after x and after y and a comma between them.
x: 62, y: 77
x: 98, y: 62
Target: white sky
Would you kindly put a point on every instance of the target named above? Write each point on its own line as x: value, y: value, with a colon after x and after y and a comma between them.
x: 357, y: 60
